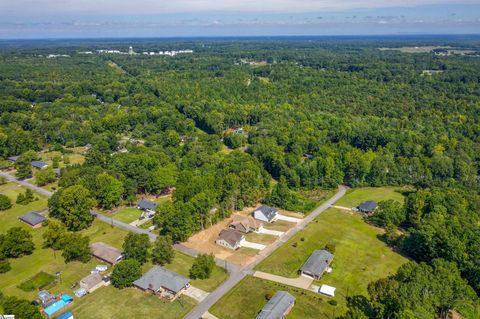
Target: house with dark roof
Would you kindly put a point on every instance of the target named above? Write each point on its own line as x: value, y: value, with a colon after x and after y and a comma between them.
x: 39, y: 164
x: 368, y: 207
x: 163, y: 282
x: 33, y: 219
x: 230, y: 238
x: 147, y: 206
x: 265, y: 214
x: 245, y: 224
x: 318, y: 262
x: 106, y: 253
x: 13, y: 158
x: 278, y: 306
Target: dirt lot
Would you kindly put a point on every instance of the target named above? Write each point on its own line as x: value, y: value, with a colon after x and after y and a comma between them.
x: 205, y: 240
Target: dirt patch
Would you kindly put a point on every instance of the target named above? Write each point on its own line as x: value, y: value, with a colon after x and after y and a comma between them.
x: 204, y: 240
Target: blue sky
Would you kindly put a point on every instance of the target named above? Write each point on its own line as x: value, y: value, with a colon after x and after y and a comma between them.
x: 160, y: 18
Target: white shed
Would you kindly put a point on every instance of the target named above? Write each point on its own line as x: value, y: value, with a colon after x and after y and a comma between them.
x: 327, y: 290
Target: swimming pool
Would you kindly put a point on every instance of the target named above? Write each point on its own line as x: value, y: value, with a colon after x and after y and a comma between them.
x: 57, y: 305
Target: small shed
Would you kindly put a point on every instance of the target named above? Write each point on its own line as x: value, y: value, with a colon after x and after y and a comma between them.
x: 13, y: 159
x: 327, y: 290
x: 33, y: 219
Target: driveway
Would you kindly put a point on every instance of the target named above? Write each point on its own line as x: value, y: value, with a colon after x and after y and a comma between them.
x: 253, y: 245
x: 270, y: 232
x: 289, y: 219
x: 195, y: 293
x: 302, y: 282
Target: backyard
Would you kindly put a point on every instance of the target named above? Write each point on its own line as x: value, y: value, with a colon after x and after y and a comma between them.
x: 109, y: 302
x: 355, y: 197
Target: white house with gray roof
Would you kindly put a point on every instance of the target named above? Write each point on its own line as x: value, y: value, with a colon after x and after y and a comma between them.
x: 147, y: 206
x: 163, y: 282
x: 278, y: 306
x: 265, y: 214
x: 318, y: 262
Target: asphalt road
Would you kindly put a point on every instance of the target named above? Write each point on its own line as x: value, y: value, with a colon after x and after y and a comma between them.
x: 237, y: 276
x: 37, y: 189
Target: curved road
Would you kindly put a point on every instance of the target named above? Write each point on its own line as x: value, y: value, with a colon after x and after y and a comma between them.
x: 237, y: 276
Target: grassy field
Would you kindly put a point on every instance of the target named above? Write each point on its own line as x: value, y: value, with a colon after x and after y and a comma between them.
x: 182, y: 263
x: 127, y: 214
x: 74, y: 158
x: 356, y: 196
x: 109, y: 302
x: 247, y: 298
x: 360, y: 257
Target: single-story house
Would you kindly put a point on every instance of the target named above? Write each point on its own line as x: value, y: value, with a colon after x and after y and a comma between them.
x: 318, y: 262
x: 278, y: 306
x: 106, y: 253
x: 163, y: 282
x: 265, y: 213
x: 66, y: 315
x: 91, y: 282
x: 368, y: 207
x: 147, y: 206
x: 245, y: 224
x: 39, y: 164
x: 33, y: 219
x: 13, y: 158
x: 230, y: 238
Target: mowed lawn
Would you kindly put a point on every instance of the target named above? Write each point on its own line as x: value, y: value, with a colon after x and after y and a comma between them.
x: 127, y: 214
x: 356, y: 196
x: 182, y: 263
x: 360, y: 257
x: 109, y: 302
x: 247, y: 298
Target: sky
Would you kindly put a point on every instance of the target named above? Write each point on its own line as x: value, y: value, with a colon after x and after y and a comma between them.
x: 192, y: 18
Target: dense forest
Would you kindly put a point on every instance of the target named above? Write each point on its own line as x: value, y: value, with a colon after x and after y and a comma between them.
x: 239, y: 122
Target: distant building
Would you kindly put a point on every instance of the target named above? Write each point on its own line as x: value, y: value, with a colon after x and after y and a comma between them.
x: 245, y: 224
x: 318, y: 262
x: 130, y: 51
x: 92, y: 282
x: 278, y: 306
x: 13, y: 158
x: 147, y: 206
x: 230, y: 238
x: 33, y: 219
x: 39, y: 164
x: 266, y: 214
x: 163, y: 283
x: 106, y: 253
x: 368, y: 207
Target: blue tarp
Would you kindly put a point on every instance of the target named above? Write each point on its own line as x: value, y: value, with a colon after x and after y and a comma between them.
x: 66, y: 315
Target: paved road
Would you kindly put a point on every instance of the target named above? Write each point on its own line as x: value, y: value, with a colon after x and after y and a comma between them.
x: 236, y: 277
x: 26, y: 184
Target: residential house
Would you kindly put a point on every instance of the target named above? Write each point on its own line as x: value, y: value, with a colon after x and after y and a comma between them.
x: 230, y: 238
x: 245, y: 224
x: 13, y: 159
x: 106, y: 253
x: 266, y: 214
x: 368, y: 207
x: 33, y: 219
x: 278, y: 306
x: 91, y: 282
x: 318, y: 262
x: 39, y: 164
x: 147, y: 206
x: 163, y: 282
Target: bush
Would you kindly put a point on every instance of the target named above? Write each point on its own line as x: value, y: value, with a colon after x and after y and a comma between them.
x: 4, y: 266
x: 5, y: 202
x: 25, y: 198
x: 333, y: 302
x: 330, y: 247
x: 269, y: 294
x: 125, y: 273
